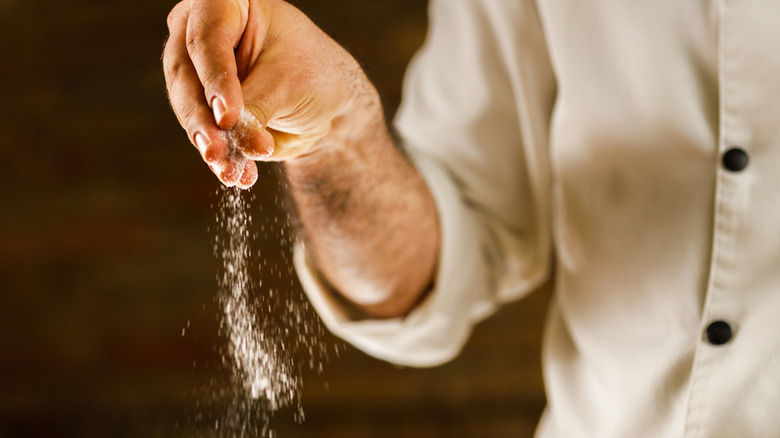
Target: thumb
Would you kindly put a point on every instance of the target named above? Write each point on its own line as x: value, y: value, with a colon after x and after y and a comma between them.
x: 249, y: 137
x: 264, y: 143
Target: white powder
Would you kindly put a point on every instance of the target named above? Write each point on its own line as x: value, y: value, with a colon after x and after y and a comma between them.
x: 257, y: 366
x: 238, y: 138
x: 270, y: 332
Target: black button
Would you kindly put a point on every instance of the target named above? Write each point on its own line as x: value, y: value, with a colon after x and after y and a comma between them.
x: 718, y: 333
x: 735, y: 159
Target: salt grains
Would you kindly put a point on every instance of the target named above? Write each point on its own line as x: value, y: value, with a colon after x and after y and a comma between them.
x: 270, y: 333
x: 262, y: 373
x: 256, y: 367
x: 239, y: 136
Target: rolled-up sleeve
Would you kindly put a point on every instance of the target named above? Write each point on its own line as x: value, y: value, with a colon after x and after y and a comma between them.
x: 475, y: 119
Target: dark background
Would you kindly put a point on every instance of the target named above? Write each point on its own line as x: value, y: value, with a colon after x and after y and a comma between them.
x: 106, y: 253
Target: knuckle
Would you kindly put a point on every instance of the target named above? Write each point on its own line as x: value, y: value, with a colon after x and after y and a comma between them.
x: 173, y: 67
x: 197, y: 38
x: 178, y: 102
x: 214, y: 79
x: 173, y: 17
x: 171, y: 20
x: 207, y: 38
x: 168, y: 51
x: 186, y: 113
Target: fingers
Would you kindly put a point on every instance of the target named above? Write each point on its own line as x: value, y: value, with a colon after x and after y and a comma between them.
x: 188, y: 101
x: 249, y: 136
x: 231, y: 172
x: 200, y: 46
x: 239, y: 173
x: 249, y: 177
x: 213, y: 31
x: 207, y: 95
x: 259, y: 146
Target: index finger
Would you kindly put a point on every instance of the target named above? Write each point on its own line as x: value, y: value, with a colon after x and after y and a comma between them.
x: 187, y: 100
x: 214, y: 29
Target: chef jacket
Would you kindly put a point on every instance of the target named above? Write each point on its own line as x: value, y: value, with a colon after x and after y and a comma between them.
x: 634, y: 147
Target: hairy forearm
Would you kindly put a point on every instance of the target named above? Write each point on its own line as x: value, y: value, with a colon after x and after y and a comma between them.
x: 368, y: 220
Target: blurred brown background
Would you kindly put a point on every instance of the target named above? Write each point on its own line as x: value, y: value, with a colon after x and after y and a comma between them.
x: 106, y: 253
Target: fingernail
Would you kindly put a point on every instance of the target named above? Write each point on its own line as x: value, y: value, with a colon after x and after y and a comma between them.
x: 219, y: 108
x: 219, y: 170
x: 202, y: 142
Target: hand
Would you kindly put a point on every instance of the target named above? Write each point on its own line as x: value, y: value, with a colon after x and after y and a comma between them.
x: 258, y: 73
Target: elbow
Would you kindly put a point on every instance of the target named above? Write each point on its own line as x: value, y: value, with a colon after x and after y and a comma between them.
x: 385, y: 298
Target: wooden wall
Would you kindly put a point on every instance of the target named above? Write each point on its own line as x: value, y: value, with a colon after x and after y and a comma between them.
x: 105, y: 253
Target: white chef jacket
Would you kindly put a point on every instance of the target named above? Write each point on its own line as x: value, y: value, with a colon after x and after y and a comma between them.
x: 634, y: 145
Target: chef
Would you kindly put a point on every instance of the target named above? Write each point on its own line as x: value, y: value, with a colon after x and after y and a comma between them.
x: 630, y: 149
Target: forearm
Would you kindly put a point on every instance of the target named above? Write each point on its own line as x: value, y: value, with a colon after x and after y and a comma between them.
x: 368, y: 219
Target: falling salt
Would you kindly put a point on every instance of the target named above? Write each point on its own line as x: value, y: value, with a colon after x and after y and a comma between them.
x: 270, y: 329
x: 258, y: 370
